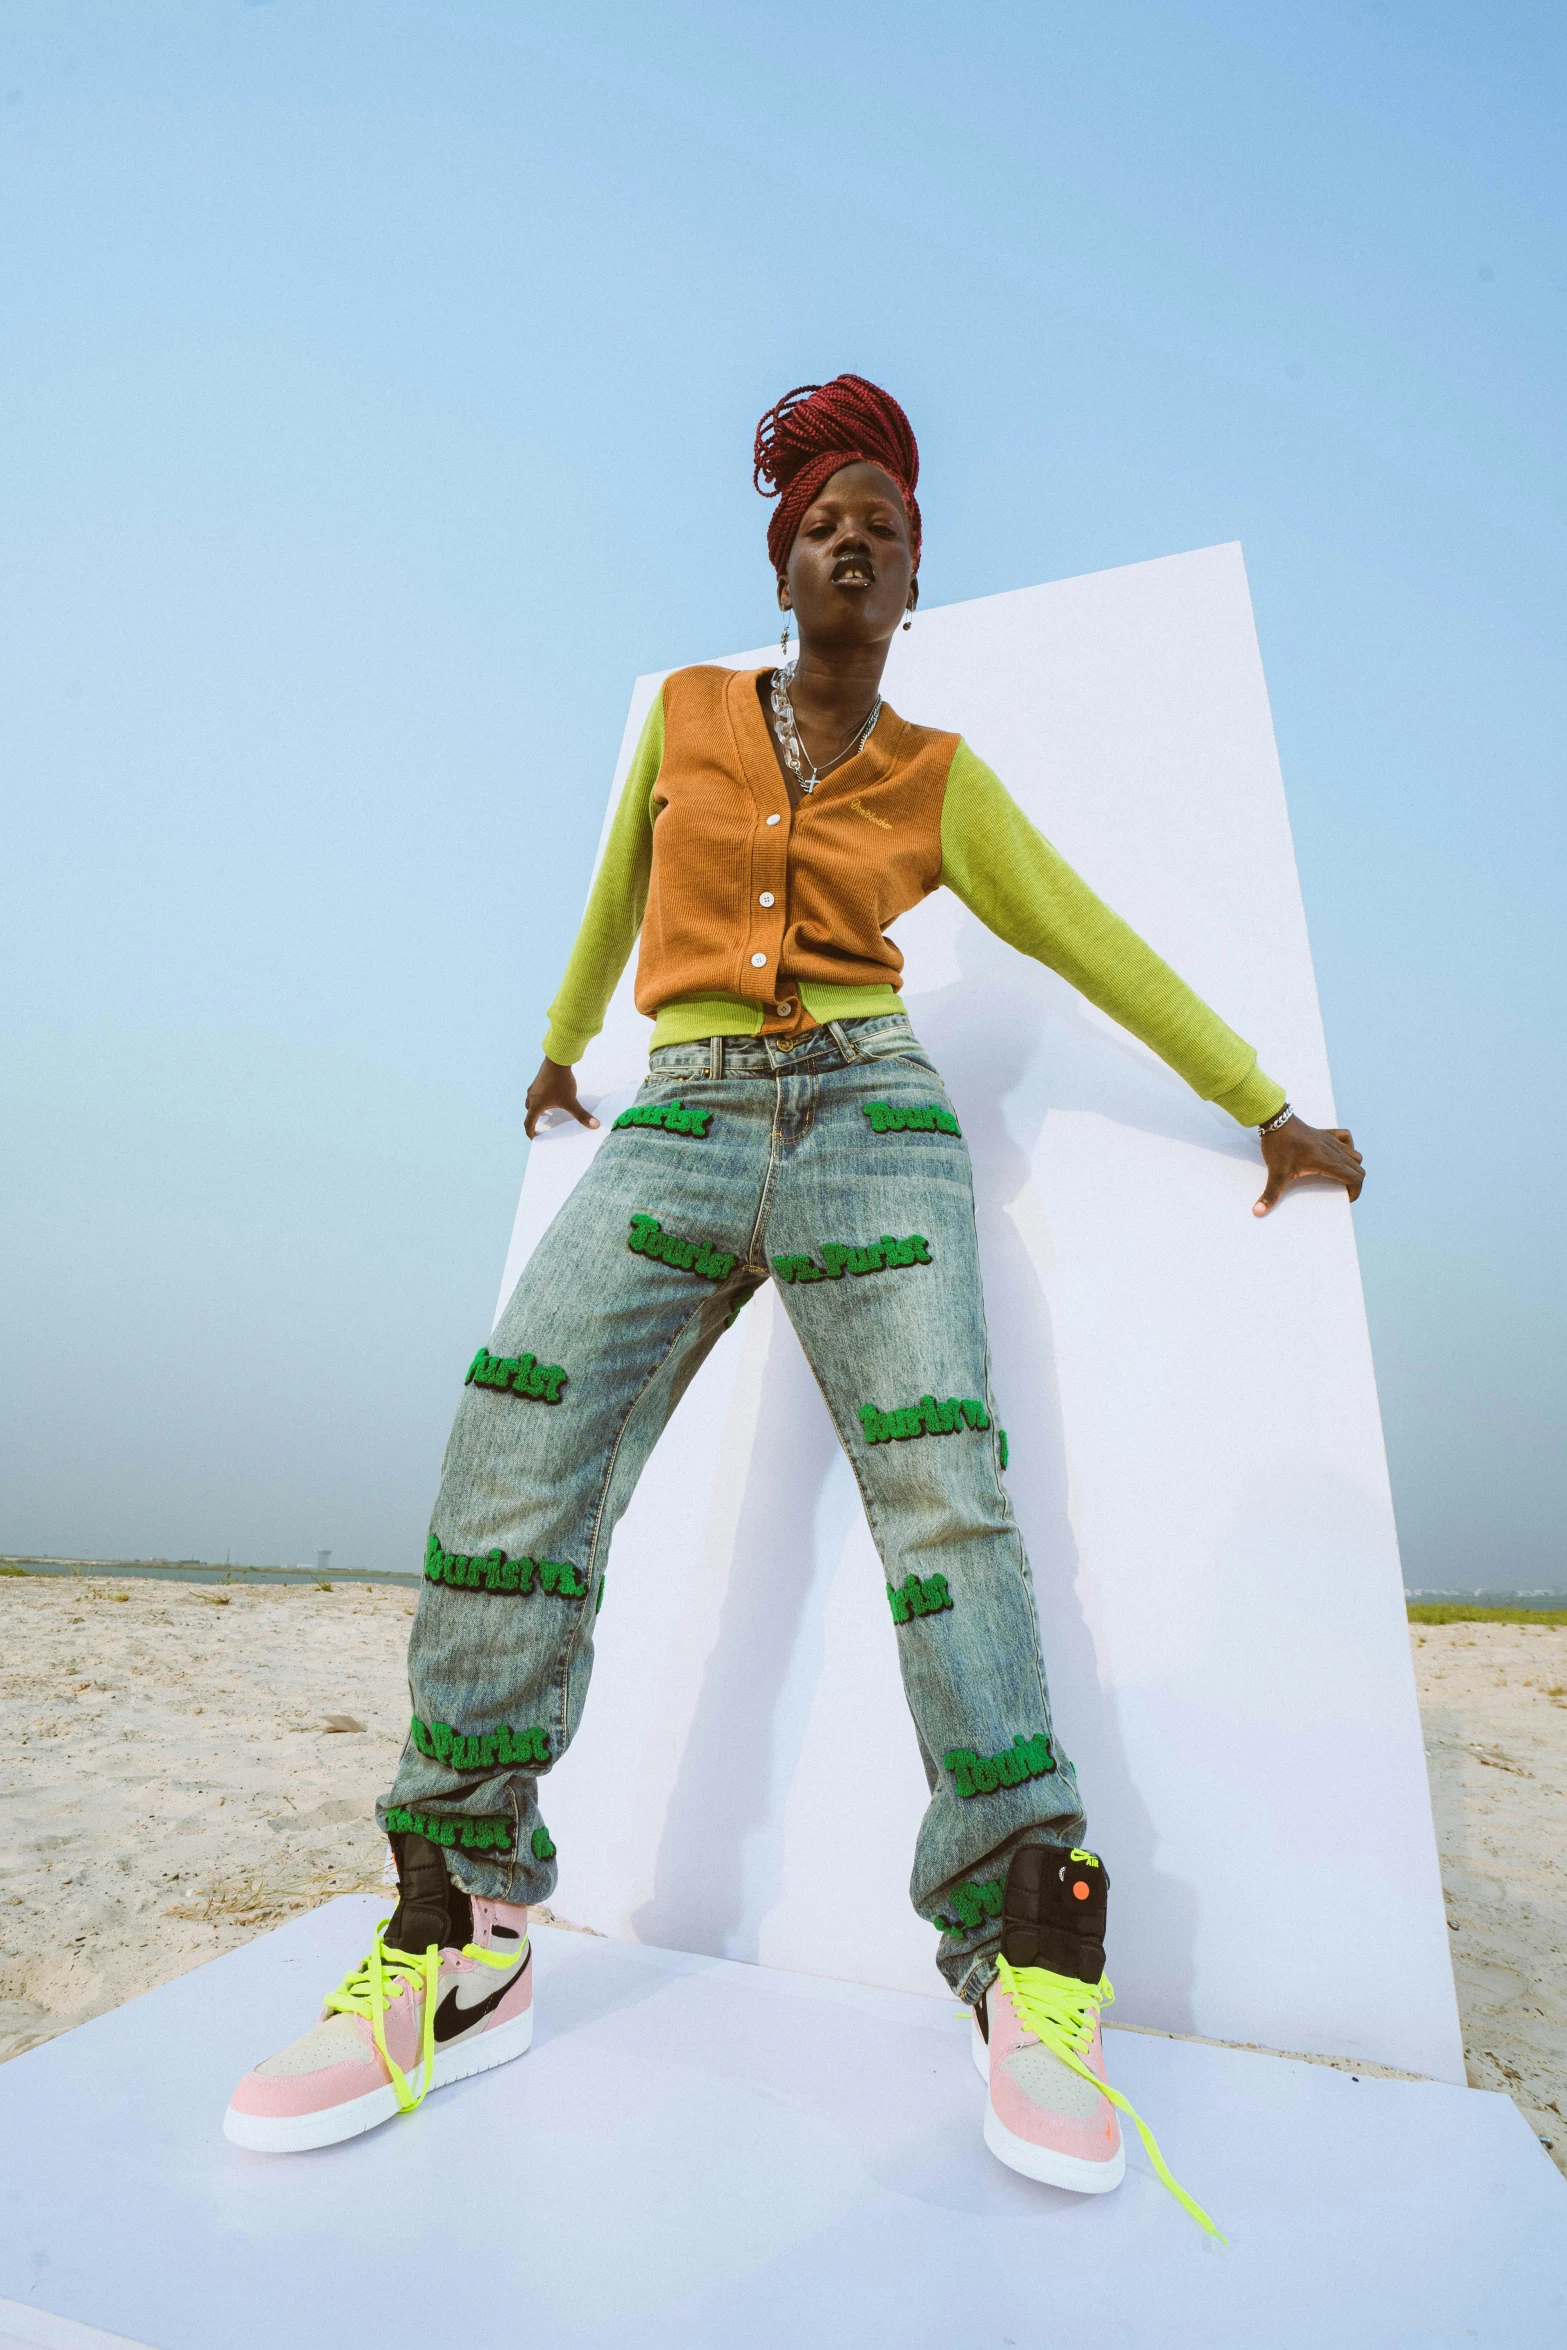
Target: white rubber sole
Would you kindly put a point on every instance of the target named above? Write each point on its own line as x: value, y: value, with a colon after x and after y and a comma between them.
x: 265, y: 2133
x: 1039, y: 2162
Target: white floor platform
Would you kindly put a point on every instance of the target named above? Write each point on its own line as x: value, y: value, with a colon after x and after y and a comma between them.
x: 698, y: 2155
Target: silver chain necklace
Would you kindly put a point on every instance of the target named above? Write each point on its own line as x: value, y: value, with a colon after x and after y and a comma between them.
x: 796, y: 758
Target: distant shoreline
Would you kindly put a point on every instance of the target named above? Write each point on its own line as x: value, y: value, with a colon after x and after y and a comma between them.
x: 197, y: 1571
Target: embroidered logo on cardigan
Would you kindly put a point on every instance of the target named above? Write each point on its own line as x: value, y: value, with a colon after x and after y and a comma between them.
x: 482, y: 1750
x: 926, y: 1418
x: 649, y: 1239
x: 917, y: 1597
x: 474, y: 1835
x: 666, y: 1118
x: 839, y: 1257
x: 971, y: 1905
x: 925, y: 1118
x: 982, y: 1774
x: 496, y: 1572
x: 516, y: 1375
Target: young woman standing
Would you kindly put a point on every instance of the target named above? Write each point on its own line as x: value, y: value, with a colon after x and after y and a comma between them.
x: 772, y: 827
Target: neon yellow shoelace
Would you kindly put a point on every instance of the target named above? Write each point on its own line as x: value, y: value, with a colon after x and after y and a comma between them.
x: 382, y: 1978
x: 1062, y: 2012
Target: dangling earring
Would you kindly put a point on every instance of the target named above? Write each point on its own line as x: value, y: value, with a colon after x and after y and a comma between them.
x: 909, y: 622
x: 783, y: 639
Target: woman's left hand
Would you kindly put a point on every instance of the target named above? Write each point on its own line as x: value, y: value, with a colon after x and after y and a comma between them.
x: 1297, y: 1153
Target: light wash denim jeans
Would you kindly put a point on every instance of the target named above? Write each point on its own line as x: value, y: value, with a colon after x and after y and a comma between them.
x: 790, y: 1168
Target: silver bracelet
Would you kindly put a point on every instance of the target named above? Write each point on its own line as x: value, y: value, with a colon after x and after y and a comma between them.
x: 1279, y: 1118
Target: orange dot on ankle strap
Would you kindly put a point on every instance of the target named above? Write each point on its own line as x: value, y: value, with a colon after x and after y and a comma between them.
x: 1079, y: 1891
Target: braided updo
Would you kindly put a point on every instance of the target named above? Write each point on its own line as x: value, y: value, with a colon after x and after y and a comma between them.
x: 817, y: 429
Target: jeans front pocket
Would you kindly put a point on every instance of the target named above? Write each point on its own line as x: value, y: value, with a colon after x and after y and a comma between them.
x: 908, y: 1055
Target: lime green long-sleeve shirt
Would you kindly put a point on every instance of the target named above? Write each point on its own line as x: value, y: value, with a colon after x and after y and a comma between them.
x: 704, y: 816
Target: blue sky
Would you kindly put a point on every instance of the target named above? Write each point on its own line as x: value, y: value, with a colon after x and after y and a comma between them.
x: 378, y: 382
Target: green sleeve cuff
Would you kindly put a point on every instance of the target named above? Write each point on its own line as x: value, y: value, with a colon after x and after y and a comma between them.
x: 1256, y: 1098
x: 564, y: 1045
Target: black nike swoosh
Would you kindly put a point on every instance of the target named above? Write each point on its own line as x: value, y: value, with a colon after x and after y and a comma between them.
x: 450, y: 2019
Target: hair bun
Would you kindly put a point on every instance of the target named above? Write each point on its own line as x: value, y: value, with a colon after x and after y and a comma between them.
x: 814, y: 431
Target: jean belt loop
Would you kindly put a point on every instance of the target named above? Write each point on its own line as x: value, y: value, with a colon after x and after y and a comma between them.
x: 835, y: 1030
x: 715, y: 1056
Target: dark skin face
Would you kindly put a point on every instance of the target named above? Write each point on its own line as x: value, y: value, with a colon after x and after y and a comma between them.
x: 850, y: 583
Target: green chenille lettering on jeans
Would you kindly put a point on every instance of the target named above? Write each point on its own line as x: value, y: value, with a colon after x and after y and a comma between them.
x: 926, y: 1418
x: 477, y: 1834
x: 918, y: 1596
x: 842, y: 1256
x: 971, y: 1905
x: 480, y: 1750
x: 543, y: 1849
x: 982, y: 1774
x: 666, y: 1118
x: 648, y: 1239
x: 495, y: 1572
x: 910, y: 1118
x: 516, y: 1375
x: 1001, y: 1435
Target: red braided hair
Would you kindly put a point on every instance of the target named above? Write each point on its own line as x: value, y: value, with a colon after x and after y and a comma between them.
x: 814, y: 431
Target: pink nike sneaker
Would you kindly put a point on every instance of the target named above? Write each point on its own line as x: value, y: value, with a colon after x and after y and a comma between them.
x: 1043, y: 2118
x: 1048, y: 2116
x: 1051, y: 2113
x: 446, y: 1991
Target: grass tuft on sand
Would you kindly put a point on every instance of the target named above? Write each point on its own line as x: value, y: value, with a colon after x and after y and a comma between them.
x: 1459, y: 1611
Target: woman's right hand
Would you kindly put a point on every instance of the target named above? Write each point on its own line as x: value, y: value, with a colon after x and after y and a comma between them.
x: 554, y: 1088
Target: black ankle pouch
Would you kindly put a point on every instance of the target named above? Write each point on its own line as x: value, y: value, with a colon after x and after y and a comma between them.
x: 1053, y: 1912
x: 430, y: 1908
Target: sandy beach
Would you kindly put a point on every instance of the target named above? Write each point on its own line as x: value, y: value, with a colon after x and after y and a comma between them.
x: 187, y: 1765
